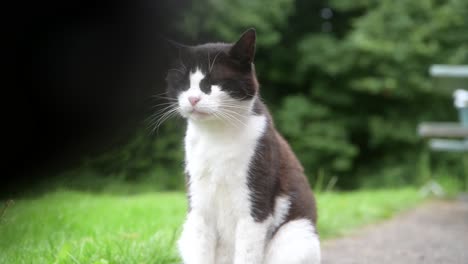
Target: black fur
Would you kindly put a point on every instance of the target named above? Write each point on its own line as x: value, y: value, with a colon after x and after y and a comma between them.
x: 222, y: 64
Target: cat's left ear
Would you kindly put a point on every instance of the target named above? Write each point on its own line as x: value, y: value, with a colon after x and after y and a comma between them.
x: 244, y: 49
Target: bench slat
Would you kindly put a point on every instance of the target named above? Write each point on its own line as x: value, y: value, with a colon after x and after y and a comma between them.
x: 449, y: 145
x: 443, y: 129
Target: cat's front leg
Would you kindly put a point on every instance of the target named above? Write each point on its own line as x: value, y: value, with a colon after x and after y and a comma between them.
x: 198, y: 240
x: 250, y: 241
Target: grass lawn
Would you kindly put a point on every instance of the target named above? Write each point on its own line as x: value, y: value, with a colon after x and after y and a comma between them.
x: 78, y: 227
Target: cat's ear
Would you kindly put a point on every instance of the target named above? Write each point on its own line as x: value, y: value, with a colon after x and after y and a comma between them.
x: 244, y: 49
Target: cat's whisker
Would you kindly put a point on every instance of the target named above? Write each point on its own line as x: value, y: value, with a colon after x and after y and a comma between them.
x: 209, y: 62
x: 156, y: 114
x: 182, y: 72
x: 157, y: 122
x: 238, y: 110
x: 181, y: 61
x: 164, y: 109
x: 235, y: 119
x: 247, y: 96
x: 214, y: 60
x: 159, y: 94
x: 163, y: 101
x: 235, y: 112
x: 227, y: 105
x: 167, y: 110
x: 152, y: 120
x: 235, y: 107
x: 166, y: 116
x: 164, y: 97
x: 156, y: 117
x: 161, y: 104
x: 233, y: 104
x: 221, y: 118
x: 229, y: 119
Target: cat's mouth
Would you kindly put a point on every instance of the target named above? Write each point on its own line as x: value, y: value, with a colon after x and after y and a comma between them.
x: 198, y: 113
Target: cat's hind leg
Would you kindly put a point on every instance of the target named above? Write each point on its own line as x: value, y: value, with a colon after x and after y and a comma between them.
x: 294, y: 243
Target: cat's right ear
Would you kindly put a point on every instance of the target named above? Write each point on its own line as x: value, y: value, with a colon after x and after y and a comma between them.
x: 244, y: 49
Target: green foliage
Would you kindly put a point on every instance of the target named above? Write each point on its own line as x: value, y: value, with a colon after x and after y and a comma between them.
x: 299, y: 117
x: 226, y: 19
x: 78, y: 227
x: 349, y: 99
x: 450, y: 174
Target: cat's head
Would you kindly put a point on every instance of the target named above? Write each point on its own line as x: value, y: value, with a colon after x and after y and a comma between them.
x: 214, y: 81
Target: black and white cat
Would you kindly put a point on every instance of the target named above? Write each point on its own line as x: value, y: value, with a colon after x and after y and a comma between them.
x: 249, y: 201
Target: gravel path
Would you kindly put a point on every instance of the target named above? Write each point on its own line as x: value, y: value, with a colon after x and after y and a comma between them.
x: 435, y: 233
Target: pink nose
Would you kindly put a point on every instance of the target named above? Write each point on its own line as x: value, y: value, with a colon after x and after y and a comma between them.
x: 193, y: 100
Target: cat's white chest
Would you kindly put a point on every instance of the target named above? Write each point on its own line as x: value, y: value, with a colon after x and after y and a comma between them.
x: 218, y: 165
x: 218, y: 162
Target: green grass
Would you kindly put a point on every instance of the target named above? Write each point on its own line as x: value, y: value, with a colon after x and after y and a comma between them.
x: 340, y: 213
x: 77, y: 227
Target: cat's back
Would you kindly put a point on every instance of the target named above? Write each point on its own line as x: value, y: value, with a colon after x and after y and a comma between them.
x: 277, y: 172
x: 279, y: 163
x: 294, y: 183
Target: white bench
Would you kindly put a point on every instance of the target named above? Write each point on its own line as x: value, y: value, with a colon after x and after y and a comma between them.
x: 439, y: 132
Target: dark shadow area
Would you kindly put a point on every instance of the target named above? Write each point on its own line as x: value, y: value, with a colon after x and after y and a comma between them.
x: 82, y: 74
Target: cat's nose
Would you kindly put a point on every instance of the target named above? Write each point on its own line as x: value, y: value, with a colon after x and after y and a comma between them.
x: 194, y: 100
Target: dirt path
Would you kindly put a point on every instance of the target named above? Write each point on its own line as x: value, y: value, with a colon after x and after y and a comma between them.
x: 435, y: 233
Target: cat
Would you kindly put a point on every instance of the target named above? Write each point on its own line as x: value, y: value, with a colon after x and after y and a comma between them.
x: 249, y: 200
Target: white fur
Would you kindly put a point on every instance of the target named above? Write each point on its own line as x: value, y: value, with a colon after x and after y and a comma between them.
x: 282, y: 205
x: 197, y: 240
x: 219, y: 228
x: 294, y: 243
x: 217, y: 161
x: 251, y: 238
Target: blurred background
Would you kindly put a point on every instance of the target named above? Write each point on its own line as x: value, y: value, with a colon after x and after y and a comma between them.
x: 347, y: 83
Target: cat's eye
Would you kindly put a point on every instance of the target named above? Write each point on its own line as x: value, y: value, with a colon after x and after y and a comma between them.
x: 205, y: 85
